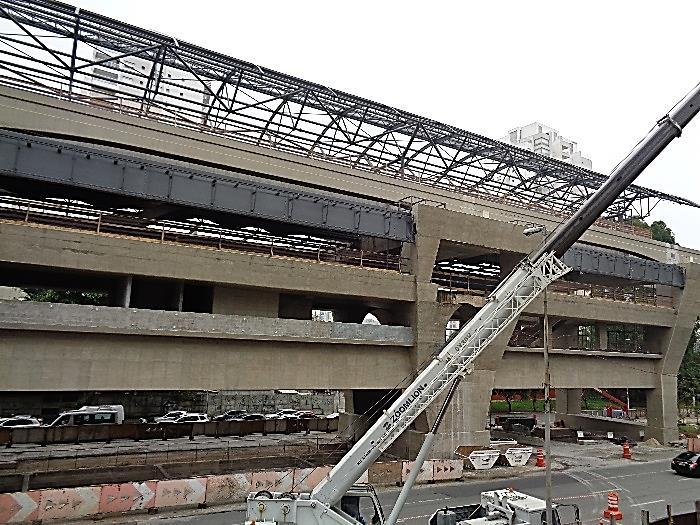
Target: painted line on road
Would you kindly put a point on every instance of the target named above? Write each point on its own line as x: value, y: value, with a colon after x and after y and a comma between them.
x: 648, y: 503
x: 407, y: 518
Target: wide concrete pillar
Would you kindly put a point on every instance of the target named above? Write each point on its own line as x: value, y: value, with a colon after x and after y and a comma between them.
x: 662, y: 410
x: 568, y: 401
x: 467, y: 416
x: 662, y: 401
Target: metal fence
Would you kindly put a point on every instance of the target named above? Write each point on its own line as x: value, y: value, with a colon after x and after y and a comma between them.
x: 199, y: 233
x: 453, y: 284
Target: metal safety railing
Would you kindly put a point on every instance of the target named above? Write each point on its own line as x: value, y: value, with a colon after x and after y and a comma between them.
x: 453, y: 284
x: 199, y: 233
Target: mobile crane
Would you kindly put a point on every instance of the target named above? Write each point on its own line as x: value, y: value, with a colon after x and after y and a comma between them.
x: 336, y: 499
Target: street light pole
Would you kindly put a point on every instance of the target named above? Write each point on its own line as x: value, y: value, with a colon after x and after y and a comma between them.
x: 531, y: 230
x: 547, y: 416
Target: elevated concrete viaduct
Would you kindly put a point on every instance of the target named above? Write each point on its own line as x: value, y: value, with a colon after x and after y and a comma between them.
x: 197, y: 297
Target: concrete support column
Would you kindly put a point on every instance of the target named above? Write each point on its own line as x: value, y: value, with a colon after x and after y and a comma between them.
x: 662, y: 410
x: 467, y: 416
x: 603, y: 336
x: 180, y: 295
x: 662, y: 401
x: 348, y: 402
x: 568, y: 401
x: 123, y: 292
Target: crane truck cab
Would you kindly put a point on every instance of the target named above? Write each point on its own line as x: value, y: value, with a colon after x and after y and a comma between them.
x: 506, y: 507
x: 359, y: 505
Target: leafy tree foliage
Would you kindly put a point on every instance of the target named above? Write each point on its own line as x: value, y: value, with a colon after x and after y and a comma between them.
x: 689, y: 372
x: 659, y: 230
x: 43, y: 295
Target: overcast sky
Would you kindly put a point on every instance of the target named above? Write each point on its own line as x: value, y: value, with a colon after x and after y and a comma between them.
x: 600, y: 72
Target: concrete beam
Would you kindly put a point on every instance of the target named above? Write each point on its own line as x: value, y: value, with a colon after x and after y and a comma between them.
x: 52, y: 317
x: 111, y: 254
x: 524, y: 368
x: 71, y: 361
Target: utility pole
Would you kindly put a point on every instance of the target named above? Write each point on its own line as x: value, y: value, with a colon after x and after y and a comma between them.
x: 547, y: 416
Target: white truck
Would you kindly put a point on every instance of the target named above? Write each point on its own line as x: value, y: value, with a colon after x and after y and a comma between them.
x: 506, y: 507
x: 337, y: 499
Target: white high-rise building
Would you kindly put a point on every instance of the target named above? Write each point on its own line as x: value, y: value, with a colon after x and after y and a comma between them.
x: 548, y: 142
x: 129, y: 77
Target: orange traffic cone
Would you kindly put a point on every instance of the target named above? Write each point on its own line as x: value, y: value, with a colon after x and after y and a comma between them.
x: 626, y: 452
x: 613, y: 509
x: 540, y: 458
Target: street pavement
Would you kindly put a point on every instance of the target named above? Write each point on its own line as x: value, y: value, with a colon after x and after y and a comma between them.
x: 650, y: 486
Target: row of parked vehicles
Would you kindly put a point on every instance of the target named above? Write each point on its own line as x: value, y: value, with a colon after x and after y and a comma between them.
x: 87, y: 415
x: 182, y: 416
x: 96, y: 415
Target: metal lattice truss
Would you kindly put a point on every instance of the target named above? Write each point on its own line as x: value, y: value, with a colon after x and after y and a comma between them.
x: 52, y: 48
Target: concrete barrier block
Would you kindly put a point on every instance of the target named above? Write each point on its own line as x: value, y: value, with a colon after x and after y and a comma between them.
x: 694, y: 444
x: 447, y: 469
x: 19, y: 507
x: 388, y: 473
x: 425, y: 474
x: 229, y: 488
x: 69, y: 503
x: 483, y: 459
x: 179, y: 492
x: 305, y: 479
x: 518, y: 456
x: 281, y: 481
x: 124, y: 497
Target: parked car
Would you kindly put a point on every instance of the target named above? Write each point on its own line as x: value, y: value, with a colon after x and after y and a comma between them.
x: 333, y: 415
x: 20, y: 422
x: 251, y: 417
x: 170, y: 416
x: 687, y: 463
x: 91, y: 415
x: 230, y: 415
x: 306, y: 414
x: 191, y: 418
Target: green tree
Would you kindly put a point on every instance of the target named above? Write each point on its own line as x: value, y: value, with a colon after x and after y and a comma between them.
x: 689, y: 371
x: 46, y: 295
x: 661, y: 232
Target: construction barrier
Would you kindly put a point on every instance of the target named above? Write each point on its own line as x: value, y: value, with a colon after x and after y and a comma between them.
x: 305, y: 479
x: 694, y: 444
x: 125, y: 497
x: 227, y: 488
x: 518, y: 456
x: 424, y: 475
x: 484, y: 459
x: 113, y: 498
x: 447, y: 469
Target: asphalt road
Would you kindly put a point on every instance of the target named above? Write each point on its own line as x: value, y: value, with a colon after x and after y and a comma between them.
x: 648, y: 486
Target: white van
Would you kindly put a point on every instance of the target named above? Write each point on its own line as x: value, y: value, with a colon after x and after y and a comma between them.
x: 91, y: 415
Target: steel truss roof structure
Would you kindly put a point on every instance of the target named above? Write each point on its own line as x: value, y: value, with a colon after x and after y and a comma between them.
x: 55, y: 49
